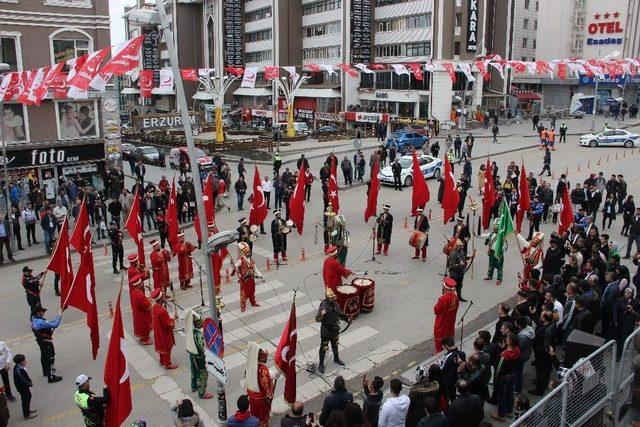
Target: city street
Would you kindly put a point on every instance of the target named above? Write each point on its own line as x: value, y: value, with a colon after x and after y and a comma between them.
x: 387, y: 342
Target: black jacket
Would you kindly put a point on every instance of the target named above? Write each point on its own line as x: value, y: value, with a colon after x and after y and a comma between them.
x: 435, y: 420
x: 21, y: 378
x: 336, y: 400
x: 371, y: 406
x: 466, y: 411
x: 293, y: 421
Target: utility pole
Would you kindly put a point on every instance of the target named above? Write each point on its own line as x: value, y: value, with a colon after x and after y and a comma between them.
x: 4, y: 162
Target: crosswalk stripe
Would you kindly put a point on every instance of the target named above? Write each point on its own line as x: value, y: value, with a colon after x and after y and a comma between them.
x: 279, y: 319
x: 236, y: 314
x: 262, y: 252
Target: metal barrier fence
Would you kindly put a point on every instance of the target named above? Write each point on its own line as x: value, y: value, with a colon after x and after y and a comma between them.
x: 625, y: 375
x: 584, y: 398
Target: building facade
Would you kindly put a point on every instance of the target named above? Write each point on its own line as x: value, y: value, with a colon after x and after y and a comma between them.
x: 61, y: 136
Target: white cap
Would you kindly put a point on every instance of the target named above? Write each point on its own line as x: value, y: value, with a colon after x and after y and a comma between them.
x: 82, y: 378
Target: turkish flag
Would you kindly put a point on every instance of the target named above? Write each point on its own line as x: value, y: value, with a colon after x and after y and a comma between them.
x: 347, y: 69
x: 116, y: 374
x: 134, y: 226
x: 146, y: 83
x: 189, y: 74
x: 334, y: 198
x: 258, y: 211
x: 89, y: 69
x: 482, y: 69
x: 126, y: 59
x: 524, y: 199
x: 296, y: 202
x: 416, y: 70
x: 313, y: 67
x: 489, y: 195
x: 209, y: 210
x: 27, y: 78
x: 172, y: 216
x: 566, y: 213
x: 82, y: 294
x: 285, y: 356
x: 60, y: 262
x: 451, y: 69
x: 271, y: 73
x: 451, y: 197
x: 52, y: 74
x: 562, y: 70
x: 81, y: 230
x: 8, y: 80
x: 372, y: 198
x: 420, y: 192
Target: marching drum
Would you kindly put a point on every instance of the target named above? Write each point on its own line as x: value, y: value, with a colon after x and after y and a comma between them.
x: 417, y: 239
x: 286, y: 228
x: 253, y: 236
x: 367, y: 292
x: 348, y: 299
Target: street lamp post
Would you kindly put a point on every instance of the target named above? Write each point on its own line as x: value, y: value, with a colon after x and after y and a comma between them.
x: 289, y: 87
x: 3, y: 69
x: 595, y: 103
x: 148, y: 17
x: 218, y: 87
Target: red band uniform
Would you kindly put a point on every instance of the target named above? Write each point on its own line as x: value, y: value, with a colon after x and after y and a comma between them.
x: 332, y: 270
x: 160, y: 263
x: 445, y: 310
x: 260, y: 383
x: 247, y: 272
x: 135, y: 270
x: 217, y: 258
x: 163, y: 324
x: 421, y: 223
x: 183, y: 250
x: 141, y: 307
x: 531, y: 255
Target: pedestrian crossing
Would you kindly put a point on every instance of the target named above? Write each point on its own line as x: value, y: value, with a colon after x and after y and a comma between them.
x: 360, y: 345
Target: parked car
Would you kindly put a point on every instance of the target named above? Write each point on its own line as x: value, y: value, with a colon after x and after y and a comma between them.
x: 430, y: 167
x: 609, y: 138
x: 407, y: 140
x: 147, y: 154
x: 204, y: 161
x: 326, y: 130
x: 127, y: 149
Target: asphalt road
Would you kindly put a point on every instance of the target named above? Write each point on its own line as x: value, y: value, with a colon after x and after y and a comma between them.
x: 388, y: 341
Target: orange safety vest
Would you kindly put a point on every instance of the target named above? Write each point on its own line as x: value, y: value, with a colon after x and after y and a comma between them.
x: 552, y: 135
x: 543, y: 134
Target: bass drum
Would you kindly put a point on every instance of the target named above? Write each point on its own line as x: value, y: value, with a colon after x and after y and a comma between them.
x: 417, y: 239
x: 348, y: 299
x: 367, y: 292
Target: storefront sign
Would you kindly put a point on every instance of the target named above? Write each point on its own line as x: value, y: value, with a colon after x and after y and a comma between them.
x: 361, y: 19
x: 260, y: 113
x: 151, y: 52
x: 605, y: 29
x: 607, y: 81
x: 472, y: 26
x: 151, y: 122
x: 329, y: 117
x: 234, y: 33
x: 410, y: 121
x: 85, y: 168
x: 303, y: 114
x: 382, y: 95
x: 366, y: 117
x: 58, y: 155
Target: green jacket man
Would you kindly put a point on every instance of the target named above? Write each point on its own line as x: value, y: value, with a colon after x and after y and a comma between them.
x: 195, y: 348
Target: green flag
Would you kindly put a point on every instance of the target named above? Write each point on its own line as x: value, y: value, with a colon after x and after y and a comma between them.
x: 505, y: 227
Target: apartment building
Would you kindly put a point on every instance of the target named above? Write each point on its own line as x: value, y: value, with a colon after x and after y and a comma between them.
x: 60, y: 136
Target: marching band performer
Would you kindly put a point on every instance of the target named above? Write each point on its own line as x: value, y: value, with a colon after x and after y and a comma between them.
x: 329, y: 315
x: 141, y: 310
x: 245, y: 233
x: 461, y: 232
x: 421, y: 224
x: 217, y: 258
x: 195, y: 348
x: 160, y: 263
x: 457, y: 265
x: 247, y: 272
x: 163, y: 324
x: 260, y: 383
x: 531, y: 255
x: 278, y: 236
x: 32, y: 287
x: 329, y: 226
x: 183, y: 250
x: 332, y: 270
x: 136, y: 269
x: 495, y: 263
x: 383, y: 232
x: 445, y: 310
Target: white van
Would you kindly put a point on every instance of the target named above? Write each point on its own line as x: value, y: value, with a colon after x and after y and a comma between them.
x: 300, y: 128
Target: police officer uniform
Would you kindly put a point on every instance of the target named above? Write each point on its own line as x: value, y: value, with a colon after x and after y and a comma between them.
x: 43, y: 331
x: 278, y: 237
x: 384, y: 227
x: 329, y: 315
x: 117, y: 249
x: 244, y: 232
x: 31, y: 286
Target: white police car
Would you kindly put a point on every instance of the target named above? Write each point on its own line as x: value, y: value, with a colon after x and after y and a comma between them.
x: 610, y: 137
x: 430, y: 167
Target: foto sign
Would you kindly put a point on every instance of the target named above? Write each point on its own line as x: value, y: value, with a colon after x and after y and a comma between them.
x: 214, y: 350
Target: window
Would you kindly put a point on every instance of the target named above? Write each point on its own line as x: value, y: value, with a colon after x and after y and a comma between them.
x: 458, y: 22
x: 525, y: 24
x: 383, y: 80
x: 13, y: 118
x: 537, y: 6
x: 419, y: 49
x: 69, y: 3
x: 366, y: 80
x: 524, y: 42
x: 526, y: 4
x: 535, y: 24
x: 321, y: 6
x: 407, y: 22
x: 580, y: 22
x: 77, y: 119
x: 456, y: 48
x: 390, y: 50
x: 263, y: 55
x: 411, y: 49
x: 66, y: 49
x: 258, y: 36
x: 321, y: 52
x: 257, y: 15
x: 390, y: 2
x: 321, y: 30
x: 10, y: 52
x: 534, y: 43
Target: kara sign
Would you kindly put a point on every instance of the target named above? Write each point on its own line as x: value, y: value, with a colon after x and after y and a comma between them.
x: 472, y: 26
x: 58, y: 155
x: 165, y: 121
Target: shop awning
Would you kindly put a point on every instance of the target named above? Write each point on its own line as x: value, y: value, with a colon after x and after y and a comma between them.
x: 318, y: 93
x: 527, y: 96
x: 256, y: 91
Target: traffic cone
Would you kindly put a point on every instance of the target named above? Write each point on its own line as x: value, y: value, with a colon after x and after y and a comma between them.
x: 566, y: 171
x: 578, y: 168
x: 607, y: 158
x: 406, y: 223
x: 268, y: 267
x: 429, y: 214
x: 303, y: 255
x: 599, y: 161
x: 589, y: 164
x: 227, y: 277
x: 106, y: 252
x: 110, y: 310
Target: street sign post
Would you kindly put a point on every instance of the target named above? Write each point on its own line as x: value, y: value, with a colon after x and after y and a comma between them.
x: 214, y: 350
